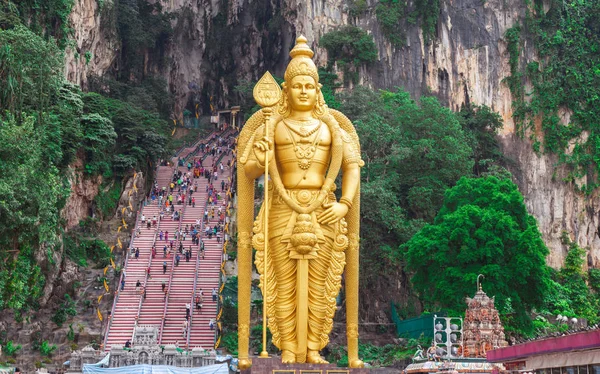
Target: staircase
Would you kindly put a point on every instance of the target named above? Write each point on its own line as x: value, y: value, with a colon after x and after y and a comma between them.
x: 182, y: 282
x: 127, y: 302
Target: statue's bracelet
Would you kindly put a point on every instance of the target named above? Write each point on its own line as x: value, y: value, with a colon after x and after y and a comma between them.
x: 346, y: 201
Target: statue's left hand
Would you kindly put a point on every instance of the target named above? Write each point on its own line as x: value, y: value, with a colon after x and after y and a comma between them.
x: 333, y: 213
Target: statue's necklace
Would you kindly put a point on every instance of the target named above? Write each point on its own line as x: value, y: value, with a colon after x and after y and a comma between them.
x: 304, y: 153
x: 302, y: 131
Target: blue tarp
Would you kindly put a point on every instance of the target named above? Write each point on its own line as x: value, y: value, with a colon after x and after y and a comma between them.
x: 157, y: 369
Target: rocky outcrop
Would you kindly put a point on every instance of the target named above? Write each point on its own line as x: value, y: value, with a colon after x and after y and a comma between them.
x: 83, y: 191
x: 93, y: 50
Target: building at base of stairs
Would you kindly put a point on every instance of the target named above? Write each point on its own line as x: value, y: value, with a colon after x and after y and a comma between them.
x: 144, y: 350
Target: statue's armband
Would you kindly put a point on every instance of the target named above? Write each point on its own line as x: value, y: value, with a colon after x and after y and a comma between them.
x: 351, y: 153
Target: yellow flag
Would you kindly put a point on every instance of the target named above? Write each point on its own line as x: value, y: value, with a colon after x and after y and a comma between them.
x: 119, y: 229
x: 112, y: 263
x: 134, y: 175
x: 99, y: 314
x: 222, y: 286
x: 130, y: 207
x: 129, y: 193
x: 219, y: 315
x: 218, y: 342
x: 105, y: 285
x: 124, y: 224
x: 105, y: 270
x: 100, y: 298
x: 122, y: 211
x: 112, y: 248
x: 119, y: 242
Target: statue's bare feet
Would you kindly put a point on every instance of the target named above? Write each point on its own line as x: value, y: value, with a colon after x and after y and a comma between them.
x: 313, y: 357
x: 288, y: 357
x: 356, y: 364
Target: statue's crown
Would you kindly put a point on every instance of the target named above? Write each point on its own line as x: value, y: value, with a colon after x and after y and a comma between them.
x: 301, y: 63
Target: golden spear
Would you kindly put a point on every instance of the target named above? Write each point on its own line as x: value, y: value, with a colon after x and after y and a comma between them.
x: 266, y: 93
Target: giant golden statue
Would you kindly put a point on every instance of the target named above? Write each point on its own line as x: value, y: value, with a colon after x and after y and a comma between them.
x: 311, y: 235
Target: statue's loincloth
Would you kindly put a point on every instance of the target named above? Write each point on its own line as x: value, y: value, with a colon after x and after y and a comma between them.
x: 297, y: 237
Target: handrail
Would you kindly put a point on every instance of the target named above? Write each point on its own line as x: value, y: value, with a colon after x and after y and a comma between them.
x: 165, y: 308
x: 115, y: 301
x: 196, y: 272
x: 221, y: 270
x: 162, y: 322
x: 137, y: 316
x: 112, y: 311
x: 197, y: 269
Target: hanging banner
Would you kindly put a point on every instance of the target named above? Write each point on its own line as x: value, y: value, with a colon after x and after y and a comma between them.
x: 112, y: 263
x: 112, y: 248
x: 105, y: 285
x: 119, y: 229
x: 99, y: 314
x: 124, y: 224
x: 105, y: 270
x: 119, y: 242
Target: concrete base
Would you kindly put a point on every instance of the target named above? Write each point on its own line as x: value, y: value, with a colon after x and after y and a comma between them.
x: 274, y: 366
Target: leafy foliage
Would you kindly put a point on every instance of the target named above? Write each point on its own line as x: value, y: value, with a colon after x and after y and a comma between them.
x: 11, y: 348
x: 570, y: 295
x: 30, y: 69
x: 389, y: 14
x: 47, y: 18
x: 143, y: 27
x: 349, y: 47
x: 66, y: 309
x: 482, y: 228
x: 46, y: 349
x: 564, y: 80
x: 43, y: 125
x: 413, y: 152
x: 480, y: 125
x: 377, y: 356
x: 80, y: 248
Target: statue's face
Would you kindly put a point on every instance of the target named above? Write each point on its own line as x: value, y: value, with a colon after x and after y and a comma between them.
x: 302, y: 93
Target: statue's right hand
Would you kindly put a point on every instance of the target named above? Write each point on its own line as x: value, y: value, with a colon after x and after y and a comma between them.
x: 262, y: 148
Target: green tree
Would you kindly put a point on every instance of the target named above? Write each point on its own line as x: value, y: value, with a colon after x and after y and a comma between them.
x: 481, y: 125
x: 570, y: 295
x: 349, y: 47
x: 482, y: 228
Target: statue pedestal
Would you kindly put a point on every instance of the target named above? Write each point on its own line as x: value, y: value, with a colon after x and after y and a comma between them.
x: 274, y: 366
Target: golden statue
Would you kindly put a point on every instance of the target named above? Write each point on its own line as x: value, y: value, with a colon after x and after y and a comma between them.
x: 302, y: 145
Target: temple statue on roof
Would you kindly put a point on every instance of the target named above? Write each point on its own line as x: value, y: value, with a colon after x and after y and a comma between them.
x: 482, y: 329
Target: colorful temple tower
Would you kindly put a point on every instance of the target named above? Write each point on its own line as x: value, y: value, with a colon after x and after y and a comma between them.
x: 482, y: 329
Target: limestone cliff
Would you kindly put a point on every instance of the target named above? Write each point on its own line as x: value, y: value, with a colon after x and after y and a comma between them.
x: 218, y: 43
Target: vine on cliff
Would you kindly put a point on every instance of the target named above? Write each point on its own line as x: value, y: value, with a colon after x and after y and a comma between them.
x: 349, y: 47
x: 564, y: 83
x: 391, y: 13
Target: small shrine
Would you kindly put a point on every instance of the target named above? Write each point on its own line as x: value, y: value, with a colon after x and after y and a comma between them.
x: 482, y: 329
x: 460, y: 345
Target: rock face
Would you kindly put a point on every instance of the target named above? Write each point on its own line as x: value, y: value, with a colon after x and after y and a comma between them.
x: 93, y: 52
x: 218, y: 43
x: 83, y: 192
